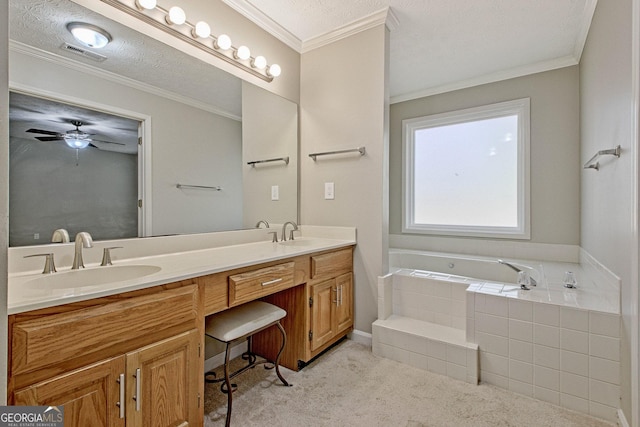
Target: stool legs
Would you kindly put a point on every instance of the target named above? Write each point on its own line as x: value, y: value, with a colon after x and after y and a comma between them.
x: 284, y: 342
x: 252, y: 362
x: 227, y: 380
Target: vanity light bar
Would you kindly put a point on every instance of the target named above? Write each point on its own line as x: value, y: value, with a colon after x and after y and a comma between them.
x: 173, y: 21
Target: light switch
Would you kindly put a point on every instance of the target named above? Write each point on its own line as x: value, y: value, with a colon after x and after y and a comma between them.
x: 329, y: 193
x: 275, y: 192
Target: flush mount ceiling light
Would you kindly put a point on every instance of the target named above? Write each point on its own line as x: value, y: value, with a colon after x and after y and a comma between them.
x: 89, y: 35
x: 174, y: 21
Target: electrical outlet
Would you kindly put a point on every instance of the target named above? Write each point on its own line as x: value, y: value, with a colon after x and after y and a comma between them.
x: 329, y: 193
x: 275, y: 192
x: 36, y: 236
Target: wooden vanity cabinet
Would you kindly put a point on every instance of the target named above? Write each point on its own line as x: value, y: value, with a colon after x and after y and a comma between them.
x: 331, y: 299
x: 125, y: 360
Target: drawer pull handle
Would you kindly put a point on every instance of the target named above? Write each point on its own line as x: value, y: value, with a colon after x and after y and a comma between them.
x: 271, y: 282
x: 120, y: 403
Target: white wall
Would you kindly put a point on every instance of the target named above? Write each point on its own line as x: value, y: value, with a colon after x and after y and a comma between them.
x: 342, y: 106
x: 607, y: 209
x: 189, y: 146
x: 269, y: 130
x: 4, y: 189
x: 555, y: 154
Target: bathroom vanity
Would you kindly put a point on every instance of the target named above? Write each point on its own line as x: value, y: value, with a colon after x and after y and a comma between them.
x: 134, y: 354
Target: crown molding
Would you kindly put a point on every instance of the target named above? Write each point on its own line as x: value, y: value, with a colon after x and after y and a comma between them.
x: 263, y: 21
x: 365, y: 23
x: 70, y: 63
x: 587, y: 17
x: 566, y: 61
x: 392, y: 22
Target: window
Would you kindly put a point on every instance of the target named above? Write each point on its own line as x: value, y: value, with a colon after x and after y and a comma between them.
x: 466, y: 172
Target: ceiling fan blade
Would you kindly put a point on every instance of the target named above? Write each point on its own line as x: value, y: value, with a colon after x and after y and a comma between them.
x: 44, y: 132
x: 48, y: 138
x: 107, y: 142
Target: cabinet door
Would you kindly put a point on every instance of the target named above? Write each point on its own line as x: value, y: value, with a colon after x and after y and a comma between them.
x: 90, y: 395
x: 162, y: 384
x: 344, y: 302
x: 322, y: 313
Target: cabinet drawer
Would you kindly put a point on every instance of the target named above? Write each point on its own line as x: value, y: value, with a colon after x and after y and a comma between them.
x: 102, y: 331
x: 216, y: 292
x: 254, y: 284
x: 332, y: 264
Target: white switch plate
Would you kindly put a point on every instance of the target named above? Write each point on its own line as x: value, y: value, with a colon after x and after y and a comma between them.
x: 329, y: 193
x: 275, y: 192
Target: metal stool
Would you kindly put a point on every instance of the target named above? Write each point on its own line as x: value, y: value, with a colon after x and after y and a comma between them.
x: 240, y: 323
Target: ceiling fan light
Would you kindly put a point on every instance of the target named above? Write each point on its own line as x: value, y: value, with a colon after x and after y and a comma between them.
x: 223, y: 42
x: 76, y: 142
x: 176, y: 16
x: 89, y: 35
x: 146, y: 4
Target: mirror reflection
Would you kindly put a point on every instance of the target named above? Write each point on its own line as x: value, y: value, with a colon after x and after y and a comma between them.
x: 198, y: 125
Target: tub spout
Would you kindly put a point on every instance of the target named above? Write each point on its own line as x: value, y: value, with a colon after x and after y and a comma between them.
x: 517, y: 270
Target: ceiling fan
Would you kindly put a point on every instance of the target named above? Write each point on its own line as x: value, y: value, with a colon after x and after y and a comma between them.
x: 73, y: 138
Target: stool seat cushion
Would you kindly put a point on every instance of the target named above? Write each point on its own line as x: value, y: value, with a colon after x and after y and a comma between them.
x: 241, y: 321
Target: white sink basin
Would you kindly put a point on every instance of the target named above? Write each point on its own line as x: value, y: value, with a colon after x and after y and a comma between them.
x: 92, y: 277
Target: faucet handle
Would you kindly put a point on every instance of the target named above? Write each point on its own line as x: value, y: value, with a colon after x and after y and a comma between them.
x: 106, y: 255
x: 49, y: 264
x: 275, y: 236
x: 291, y: 234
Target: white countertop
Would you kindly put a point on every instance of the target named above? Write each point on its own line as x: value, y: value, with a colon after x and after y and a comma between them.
x: 24, y: 296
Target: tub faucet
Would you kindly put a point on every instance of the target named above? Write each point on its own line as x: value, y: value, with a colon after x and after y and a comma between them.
x: 83, y: 240
x: 284, y: 230
x: 262, y: 221
x: 517, y: 270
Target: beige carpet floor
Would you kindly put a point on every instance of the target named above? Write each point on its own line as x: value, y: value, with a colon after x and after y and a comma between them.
x: 349, y: 386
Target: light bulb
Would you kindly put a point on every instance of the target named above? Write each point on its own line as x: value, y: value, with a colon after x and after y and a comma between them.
x: 243, y: 53
x: 176, y: 16
x: 202, y: 30
x: 146, y: 4
x: 223, y: 42
x: 259, y: 62
x: 274, y: 70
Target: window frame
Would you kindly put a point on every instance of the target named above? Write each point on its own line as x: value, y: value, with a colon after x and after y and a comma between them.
x: 518, y: 107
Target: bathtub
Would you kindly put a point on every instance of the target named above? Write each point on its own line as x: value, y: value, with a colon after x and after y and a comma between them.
x: 487, y: 276
x: 464, y: 317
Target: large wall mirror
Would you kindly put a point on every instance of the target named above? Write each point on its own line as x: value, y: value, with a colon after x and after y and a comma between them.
x: 199, y: 127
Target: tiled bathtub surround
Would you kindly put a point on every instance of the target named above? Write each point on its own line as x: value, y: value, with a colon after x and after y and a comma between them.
x: 551, y: 343
x: 563, y: 355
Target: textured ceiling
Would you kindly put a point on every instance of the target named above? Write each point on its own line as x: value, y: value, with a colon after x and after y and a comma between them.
x: 443, y: 44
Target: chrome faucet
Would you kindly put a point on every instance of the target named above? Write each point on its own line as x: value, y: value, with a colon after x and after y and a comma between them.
x: 284, y: 230
x: 262, y: 221
x: 517, y: 270
x: 83, y: 240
